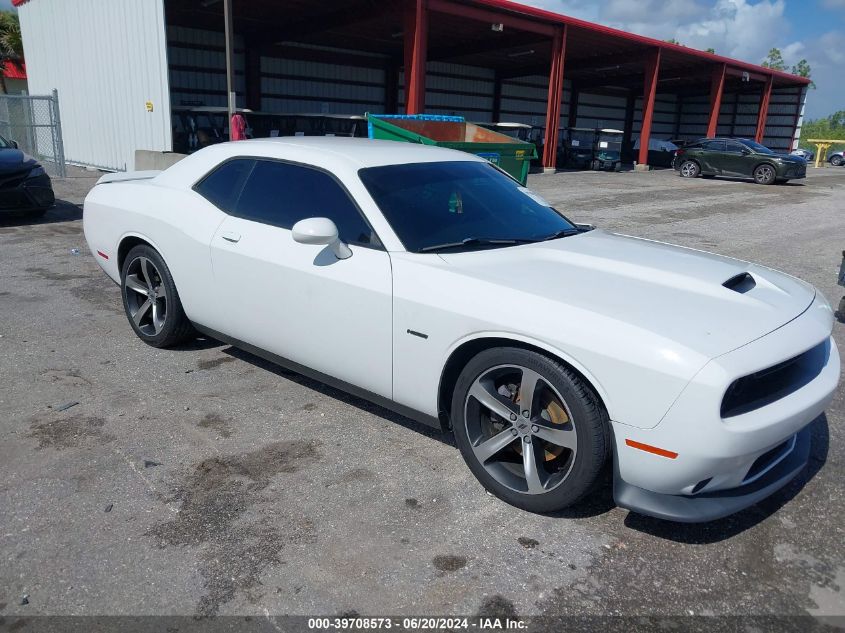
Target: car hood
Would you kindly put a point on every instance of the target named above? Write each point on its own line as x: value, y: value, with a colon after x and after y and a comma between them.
x: 677, y: 293
x: 12, y: 160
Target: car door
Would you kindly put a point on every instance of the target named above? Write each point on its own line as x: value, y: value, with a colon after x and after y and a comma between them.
x: 712, y: 157
x: 738, y: 160
x: 299, y: 301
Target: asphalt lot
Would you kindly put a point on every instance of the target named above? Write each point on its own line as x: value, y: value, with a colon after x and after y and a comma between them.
x: 202, y: 480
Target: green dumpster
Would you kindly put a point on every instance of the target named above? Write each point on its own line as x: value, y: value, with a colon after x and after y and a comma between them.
x: 510, y: 154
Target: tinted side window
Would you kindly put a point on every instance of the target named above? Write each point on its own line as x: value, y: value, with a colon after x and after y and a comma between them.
x: 715, y: 146
x: 223, y: 185
x: 735, y: 148
x: 282, y: 194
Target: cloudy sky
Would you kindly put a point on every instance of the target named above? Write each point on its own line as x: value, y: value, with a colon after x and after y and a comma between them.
x: 745, y: 29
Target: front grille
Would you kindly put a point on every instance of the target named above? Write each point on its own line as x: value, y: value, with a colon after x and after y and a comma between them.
x: 773, y: 383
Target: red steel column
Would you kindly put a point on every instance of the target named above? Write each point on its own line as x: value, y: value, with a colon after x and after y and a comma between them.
x: 717, y: 88
x: 763, y: 112
x: 652, y: 69
x: 554, y: 98
x: 416, y: 45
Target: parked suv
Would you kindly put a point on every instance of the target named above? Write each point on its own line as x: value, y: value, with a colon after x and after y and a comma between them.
x: 738, y: 158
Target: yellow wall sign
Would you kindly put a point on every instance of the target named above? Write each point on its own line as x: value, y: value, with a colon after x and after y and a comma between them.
x: 149, y: 106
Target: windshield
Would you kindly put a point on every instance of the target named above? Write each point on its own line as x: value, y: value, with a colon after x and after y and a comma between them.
x: 460, y: 205
x: 760, y: 149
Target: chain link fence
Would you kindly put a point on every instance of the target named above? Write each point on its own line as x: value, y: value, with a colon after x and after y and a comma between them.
x: 33, y: 123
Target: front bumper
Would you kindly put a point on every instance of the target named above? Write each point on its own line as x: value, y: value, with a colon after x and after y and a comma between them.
x: 29, y: 195
x: 793, y: 172
x: 734, y: 461
x: 715, y: 505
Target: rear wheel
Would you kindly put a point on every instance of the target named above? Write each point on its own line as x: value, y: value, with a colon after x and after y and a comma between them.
x: 764, y: 175
x: 837, y: 160
x: 689, y: 169
x: 150, y: 299
x: 529, y: 429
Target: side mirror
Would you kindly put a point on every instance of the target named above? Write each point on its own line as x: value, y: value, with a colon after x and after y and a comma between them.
x: 745, y: 151
x: 14, y: 144
x: 320, y: 231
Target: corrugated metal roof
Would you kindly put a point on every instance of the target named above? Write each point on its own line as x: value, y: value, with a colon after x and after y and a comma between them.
x: 608, y: 34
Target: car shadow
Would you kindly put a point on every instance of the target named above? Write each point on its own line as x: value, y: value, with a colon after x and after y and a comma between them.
x: 62, y: 211
x: 342, y: 396
x: 723, y: 529
x: 600, y: 500
x: 198, y: 343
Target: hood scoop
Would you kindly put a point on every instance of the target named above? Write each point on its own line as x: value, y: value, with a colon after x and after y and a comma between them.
x: 740, y: 283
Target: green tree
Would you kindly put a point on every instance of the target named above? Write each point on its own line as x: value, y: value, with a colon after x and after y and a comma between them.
x: 11, y: 44
x: 802, y: 69
x: 831, y: 127
x: 774, y: 60
x: 672, y: 40
x: 711, y: 50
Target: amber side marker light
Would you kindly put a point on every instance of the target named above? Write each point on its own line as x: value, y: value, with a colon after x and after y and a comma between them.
x: 651, y: 449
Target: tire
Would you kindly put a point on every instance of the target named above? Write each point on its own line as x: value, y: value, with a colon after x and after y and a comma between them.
x: 837, y: 161
x: 162, y: 321
x: 764, y: 174
x: 689, y: 169
x: 494, y: 447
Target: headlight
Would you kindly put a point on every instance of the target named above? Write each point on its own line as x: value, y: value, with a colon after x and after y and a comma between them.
x: 37, y: 171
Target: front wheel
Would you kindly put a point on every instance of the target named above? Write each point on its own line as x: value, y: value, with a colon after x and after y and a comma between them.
x: 689, y: 169
x: 837, y: 161
x: 150, y: 299
x: 764, y: 175
x: 529, y: 429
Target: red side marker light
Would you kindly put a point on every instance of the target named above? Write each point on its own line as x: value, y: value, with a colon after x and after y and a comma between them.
x: 102, y: 254
x: 651, y: 449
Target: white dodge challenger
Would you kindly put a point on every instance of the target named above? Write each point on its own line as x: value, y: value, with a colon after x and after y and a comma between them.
x: 428, y: 281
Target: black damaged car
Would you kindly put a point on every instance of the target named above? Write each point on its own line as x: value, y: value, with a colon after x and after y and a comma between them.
x: 25, y: 187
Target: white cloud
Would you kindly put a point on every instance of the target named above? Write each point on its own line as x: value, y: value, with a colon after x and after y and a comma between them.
x: 743, y: 29
x: 832, y: 45
x: 737, y: 28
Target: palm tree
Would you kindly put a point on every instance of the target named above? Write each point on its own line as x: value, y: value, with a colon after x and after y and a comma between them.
x: 11, y: 44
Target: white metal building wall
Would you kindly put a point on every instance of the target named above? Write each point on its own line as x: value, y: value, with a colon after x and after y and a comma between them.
x: 107, y: 59
x: 297, y: 86
x: 784, y: 114
x: 601, y: 110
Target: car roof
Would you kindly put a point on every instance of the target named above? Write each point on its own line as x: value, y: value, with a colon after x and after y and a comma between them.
x: 363, y: 152
x: 333, y: 153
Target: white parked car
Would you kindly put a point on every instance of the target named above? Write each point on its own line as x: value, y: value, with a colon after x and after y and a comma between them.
x: 430, y: 282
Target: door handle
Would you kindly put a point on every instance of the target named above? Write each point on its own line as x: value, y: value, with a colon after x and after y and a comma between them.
x: 229, y: 236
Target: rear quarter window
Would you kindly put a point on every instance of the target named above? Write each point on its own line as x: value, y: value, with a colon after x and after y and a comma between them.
x: 222, y: 186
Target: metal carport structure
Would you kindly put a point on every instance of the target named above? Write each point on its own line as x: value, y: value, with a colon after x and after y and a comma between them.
x: 485, y: 59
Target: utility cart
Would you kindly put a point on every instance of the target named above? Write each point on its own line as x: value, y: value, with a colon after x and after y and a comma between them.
x: 580, y: 146
x: 608, y: 150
